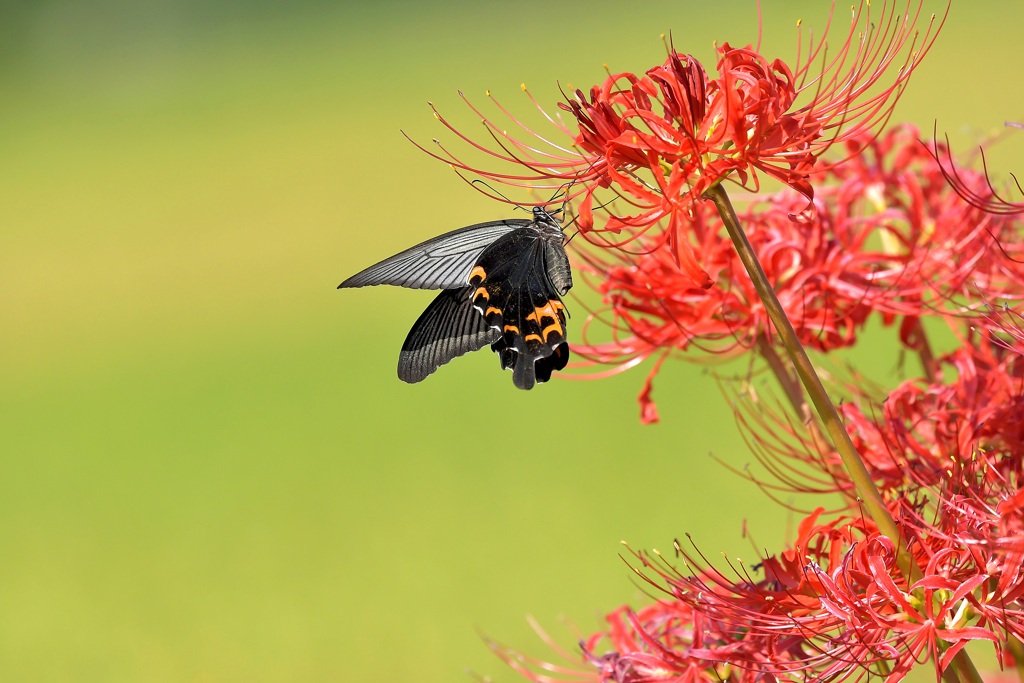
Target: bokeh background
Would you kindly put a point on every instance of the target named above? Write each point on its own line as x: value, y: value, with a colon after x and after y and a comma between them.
x: 208, y: 469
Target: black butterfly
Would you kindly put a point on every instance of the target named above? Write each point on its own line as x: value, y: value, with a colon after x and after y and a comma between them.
x: 502, y: 281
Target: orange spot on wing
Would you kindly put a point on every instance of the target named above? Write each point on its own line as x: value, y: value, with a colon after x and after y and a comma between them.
x: 477, y: 272
x: 550, y: 309
x: 552, y: 328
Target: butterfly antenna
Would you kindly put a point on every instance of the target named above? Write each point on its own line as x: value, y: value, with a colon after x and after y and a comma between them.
x: 478, y: 180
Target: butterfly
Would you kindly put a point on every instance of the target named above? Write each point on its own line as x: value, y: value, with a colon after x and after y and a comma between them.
x: 502, y: 285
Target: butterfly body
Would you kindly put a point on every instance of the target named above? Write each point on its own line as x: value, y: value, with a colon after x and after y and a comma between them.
x: 502, y: 281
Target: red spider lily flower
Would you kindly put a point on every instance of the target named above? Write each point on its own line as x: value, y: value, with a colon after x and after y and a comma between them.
x: 658, y: 140
x: 976, y: 419
x: 889, y: 237
x: 832, y: 608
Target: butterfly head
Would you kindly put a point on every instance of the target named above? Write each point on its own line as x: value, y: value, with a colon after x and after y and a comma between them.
x: 542, y: 214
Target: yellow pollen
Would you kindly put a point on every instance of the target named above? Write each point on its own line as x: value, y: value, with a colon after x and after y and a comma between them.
x: 437, y: 116
x: 799, y: 23
x: 523, y: 86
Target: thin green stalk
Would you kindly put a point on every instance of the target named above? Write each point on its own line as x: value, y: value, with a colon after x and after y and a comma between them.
x: 928, y: 362
x: 823, y: 405
x: 866, y: 490
x: 964, y: 667
x: 795, y: 393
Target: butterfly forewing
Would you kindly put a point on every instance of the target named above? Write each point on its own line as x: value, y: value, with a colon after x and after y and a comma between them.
x: 443, y: 262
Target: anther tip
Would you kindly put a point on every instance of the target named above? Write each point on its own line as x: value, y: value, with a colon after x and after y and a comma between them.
x: 523, y: 86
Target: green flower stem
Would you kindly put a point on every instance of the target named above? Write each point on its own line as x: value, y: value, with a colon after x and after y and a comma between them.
x: 790, y: 385
x: 866, y: 489
x: 794, y: 392
x: 928, y: 362
x: 865, y: 486
x: 965, y: 669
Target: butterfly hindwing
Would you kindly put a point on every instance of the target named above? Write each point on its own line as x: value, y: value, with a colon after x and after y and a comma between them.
x: 449, y: 328
x: 513, y: 290
x: 443, y: 262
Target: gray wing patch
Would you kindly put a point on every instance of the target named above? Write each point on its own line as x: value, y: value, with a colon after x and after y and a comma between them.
x: 439, y: 263
x: 449, y: 328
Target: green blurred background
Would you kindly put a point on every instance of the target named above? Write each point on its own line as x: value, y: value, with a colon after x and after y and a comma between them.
x: 209, y: 469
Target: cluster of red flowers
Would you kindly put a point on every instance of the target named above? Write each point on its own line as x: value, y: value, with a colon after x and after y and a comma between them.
x: 889, y: 237
x: 658, y: 140
x: 833, y: 607
x: 949, y: 462
x: 889, y: 227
